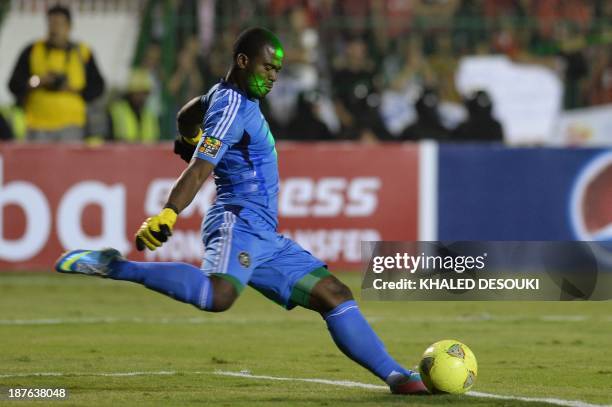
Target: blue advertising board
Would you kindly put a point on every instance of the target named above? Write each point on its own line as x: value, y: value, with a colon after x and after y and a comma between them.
x: 491, y: 192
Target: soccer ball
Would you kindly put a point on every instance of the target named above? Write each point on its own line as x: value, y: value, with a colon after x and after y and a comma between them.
x: 448, y: 366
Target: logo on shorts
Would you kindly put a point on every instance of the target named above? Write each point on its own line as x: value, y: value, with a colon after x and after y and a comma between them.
x: 244, y: 259
x: 210, y: 146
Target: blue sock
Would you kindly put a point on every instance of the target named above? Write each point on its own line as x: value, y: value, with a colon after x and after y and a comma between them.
x: 181, y: 281
x: 356, y: 339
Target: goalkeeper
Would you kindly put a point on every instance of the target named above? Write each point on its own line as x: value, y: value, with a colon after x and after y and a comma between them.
x: 224, y: 132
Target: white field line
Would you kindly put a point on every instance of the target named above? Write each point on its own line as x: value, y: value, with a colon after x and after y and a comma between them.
x: 549, y: 400
x: 118, y: 374
x: 196, y: 320
x: 119, y: 320
x: 346, y: 383
x: 343, y: 383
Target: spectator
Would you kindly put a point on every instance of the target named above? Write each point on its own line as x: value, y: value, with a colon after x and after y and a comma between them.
x: 53, y: 80
x: 468, y: 27
x: 506, y: 41
x: 132, y: 120
x: 428, y: 124
x: 306, y: 125
x: 152, y: 64
x: 186, y: 82
x: 600, y: 87
x: 414, y: 68
x: 301, y: 64
x: 444, y: 65
x: 480, y: 125
x: 352, y: 17
x: 214, y: 64
x: 576, y: 67
x: 356, y: 98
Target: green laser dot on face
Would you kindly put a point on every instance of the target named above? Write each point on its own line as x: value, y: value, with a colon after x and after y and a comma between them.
x: 257, y: 85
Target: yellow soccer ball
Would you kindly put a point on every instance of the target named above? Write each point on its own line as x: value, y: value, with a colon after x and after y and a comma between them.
x: 448, y: 366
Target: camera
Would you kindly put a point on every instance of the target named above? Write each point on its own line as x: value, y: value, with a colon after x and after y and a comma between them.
x: 58, y: 81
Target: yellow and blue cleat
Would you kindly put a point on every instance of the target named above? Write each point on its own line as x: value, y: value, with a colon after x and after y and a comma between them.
x: 89, y: 262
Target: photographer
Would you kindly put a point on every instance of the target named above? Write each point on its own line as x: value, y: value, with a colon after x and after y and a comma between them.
x: 53, y: 80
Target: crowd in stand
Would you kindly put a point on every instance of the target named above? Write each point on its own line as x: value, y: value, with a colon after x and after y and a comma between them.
x: 341, y: 58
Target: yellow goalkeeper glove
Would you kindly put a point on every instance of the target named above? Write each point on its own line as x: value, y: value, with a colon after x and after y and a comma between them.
x: 156, y: 230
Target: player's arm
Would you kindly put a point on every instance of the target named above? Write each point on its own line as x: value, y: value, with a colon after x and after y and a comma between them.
x: 94, y: 82
x: 156, y: 230
x: 188, y: 184
x: 210, y: 149
x: 188, y: 121
x: 19, y: 84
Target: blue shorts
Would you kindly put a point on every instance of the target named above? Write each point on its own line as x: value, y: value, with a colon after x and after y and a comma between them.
x: 241, y: 247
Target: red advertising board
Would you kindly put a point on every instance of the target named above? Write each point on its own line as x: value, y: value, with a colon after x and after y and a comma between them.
x: 333, y: 196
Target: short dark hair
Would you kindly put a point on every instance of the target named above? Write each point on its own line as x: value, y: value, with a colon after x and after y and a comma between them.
x: 250, y: 41
x: 59, y: 9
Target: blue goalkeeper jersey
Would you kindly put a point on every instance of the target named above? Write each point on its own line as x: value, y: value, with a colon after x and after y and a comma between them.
x: 237, y: 140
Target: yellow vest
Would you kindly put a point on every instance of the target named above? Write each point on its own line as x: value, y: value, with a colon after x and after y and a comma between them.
x: 126, y: 126
x: 16, y: 119
x: 54, y: 110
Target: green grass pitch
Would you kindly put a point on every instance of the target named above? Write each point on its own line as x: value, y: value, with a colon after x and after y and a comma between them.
x: 82, y: 326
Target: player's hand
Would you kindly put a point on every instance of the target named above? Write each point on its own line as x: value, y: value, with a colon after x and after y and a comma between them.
x: 185, y: 147
x: 156, y: 230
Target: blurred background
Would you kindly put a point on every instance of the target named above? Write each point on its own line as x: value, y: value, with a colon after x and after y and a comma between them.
x: 395, y: 120
x: 426, y: 120
x: 522, y: 72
